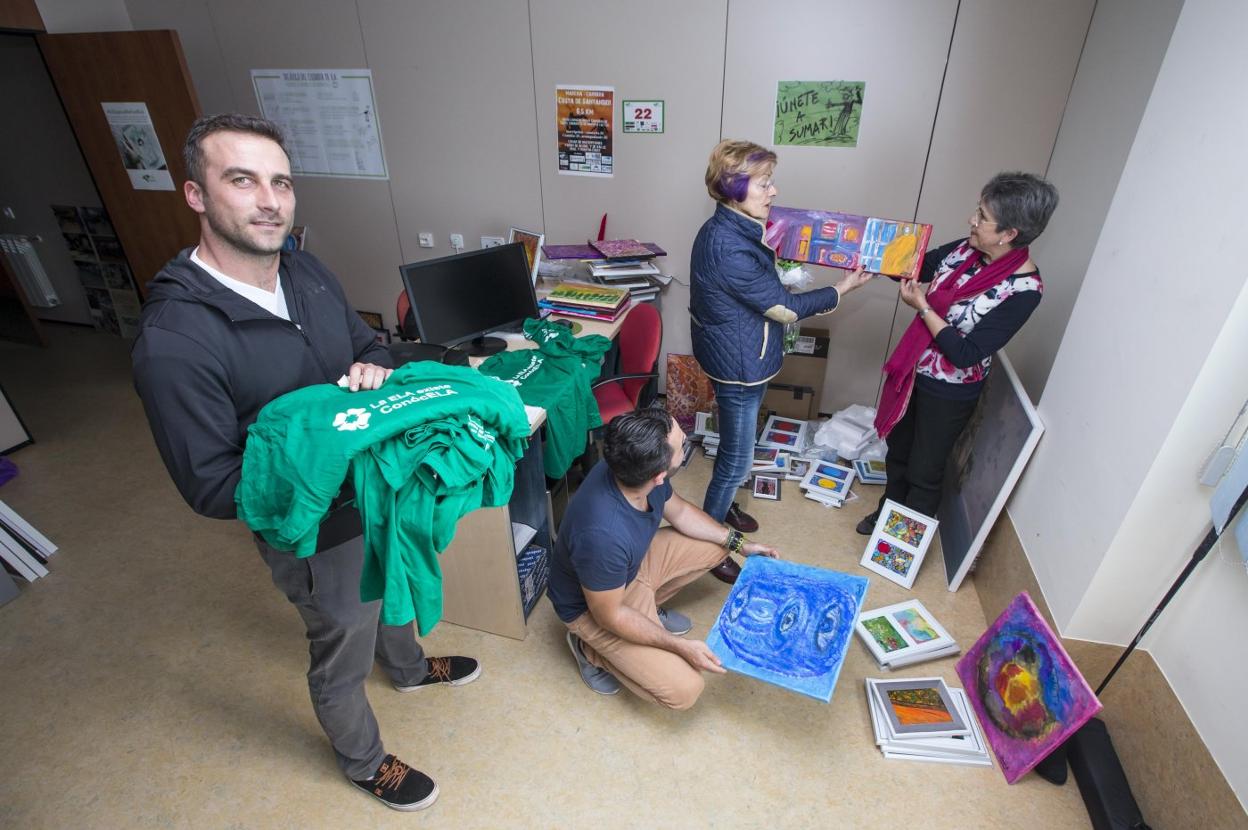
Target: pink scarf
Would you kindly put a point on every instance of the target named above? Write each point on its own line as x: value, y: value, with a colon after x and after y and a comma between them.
x: 899, y: 370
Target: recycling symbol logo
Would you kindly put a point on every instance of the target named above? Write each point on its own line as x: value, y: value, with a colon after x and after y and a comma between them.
x: 351, y: 420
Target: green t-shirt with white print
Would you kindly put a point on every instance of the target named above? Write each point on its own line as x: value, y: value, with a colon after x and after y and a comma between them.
x: 556, y: 375
x: 433, y: 443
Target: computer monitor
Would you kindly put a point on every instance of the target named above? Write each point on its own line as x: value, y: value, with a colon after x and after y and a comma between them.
x: 457, y: 299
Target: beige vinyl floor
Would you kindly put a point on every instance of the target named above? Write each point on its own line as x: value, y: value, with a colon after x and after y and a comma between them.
x: 156, y: 678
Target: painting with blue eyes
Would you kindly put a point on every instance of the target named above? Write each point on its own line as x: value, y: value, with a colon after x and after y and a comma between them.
x: 788, y: 624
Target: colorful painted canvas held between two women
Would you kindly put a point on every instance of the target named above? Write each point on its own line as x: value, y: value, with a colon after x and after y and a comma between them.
x: 1024, y: 688
x: 788, y: 624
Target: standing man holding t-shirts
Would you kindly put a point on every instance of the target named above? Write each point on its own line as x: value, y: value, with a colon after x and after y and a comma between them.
x: 227, y: 327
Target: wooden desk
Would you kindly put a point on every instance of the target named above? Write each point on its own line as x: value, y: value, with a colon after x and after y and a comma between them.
x: 480, y: 585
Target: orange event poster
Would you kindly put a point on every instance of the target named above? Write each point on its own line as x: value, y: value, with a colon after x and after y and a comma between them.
x: 584, y: 120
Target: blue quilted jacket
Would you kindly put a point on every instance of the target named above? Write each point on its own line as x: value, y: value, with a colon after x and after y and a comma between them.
x: 738, y: 303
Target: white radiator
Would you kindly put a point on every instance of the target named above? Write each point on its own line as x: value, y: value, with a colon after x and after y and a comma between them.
x: 28, y: 271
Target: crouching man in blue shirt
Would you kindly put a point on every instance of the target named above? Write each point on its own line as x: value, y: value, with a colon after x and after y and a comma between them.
x: 613, y: 568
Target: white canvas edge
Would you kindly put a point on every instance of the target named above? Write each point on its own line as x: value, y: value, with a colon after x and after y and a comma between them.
x: 968, y: 761
x: 906, y: 581
x: 11, y: 551
x: 1037, y: 430
x: 25, y: 530
x: 874, y: 712
x: 922, y: 657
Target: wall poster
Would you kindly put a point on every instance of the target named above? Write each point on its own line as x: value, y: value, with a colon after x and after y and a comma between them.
x: 131, y: 125
x: 584, y: 120
x: 643, y: 116
x: 819, y: 113
x: 329, y: 117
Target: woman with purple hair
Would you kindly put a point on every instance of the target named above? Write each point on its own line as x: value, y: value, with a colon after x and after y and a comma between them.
x: 739, y: 307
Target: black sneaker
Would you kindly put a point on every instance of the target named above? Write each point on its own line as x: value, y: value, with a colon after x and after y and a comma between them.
x: 450, y: 671
x: 740, y: 520
x: 399, y: 786
x: 867, y: 525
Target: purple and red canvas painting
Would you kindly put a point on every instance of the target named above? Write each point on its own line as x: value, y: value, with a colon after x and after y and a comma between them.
x: 1025, y: 689
x: 846, y: 240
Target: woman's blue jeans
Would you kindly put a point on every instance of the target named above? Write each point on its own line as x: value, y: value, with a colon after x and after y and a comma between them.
x: 738, y: 424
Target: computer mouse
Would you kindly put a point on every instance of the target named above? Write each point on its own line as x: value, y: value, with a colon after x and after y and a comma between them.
x: 565, y: 323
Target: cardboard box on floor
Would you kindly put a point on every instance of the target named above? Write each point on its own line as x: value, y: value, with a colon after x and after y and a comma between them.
x: 797, y: 390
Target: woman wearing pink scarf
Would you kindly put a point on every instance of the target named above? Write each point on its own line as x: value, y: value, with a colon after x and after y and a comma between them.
x: 972, y: 295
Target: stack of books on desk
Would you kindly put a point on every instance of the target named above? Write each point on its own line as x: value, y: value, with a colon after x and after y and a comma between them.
x: 636, y: 276
x: 596, y: 302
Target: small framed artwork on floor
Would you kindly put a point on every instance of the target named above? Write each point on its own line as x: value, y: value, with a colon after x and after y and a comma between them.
x: 797, y: 468
x: 898, y: 543
x: 922, y: 706
x: 783, y: 433
x: 871, y: 472
x: 769, y: 460
x: 829, y: 480
x: 767, y: 487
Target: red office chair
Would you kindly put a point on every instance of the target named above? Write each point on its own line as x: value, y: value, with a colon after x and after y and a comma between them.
x: 402, y: 308
x: 640, y: 338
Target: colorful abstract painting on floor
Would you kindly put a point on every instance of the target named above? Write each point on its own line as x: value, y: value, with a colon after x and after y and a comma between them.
x: 1024, y: 688
x: 788, y: 624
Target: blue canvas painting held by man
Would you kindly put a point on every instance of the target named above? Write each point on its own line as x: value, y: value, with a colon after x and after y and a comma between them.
x: 788, y: 624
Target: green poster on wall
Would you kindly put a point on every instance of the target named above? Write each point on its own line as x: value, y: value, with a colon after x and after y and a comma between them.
x: 819, y: 113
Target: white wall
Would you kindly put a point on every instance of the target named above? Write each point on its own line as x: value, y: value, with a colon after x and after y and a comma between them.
x: 1011, y: 66
x: 882, y: 176
x: 1117, y: 68
x: 62, y: 16
x: 657, y: 193
x: 465, y: 99
x: 1147, y: 378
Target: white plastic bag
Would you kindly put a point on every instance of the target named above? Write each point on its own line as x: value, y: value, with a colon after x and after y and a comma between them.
x: 794, y: 276
x: 848, y: 432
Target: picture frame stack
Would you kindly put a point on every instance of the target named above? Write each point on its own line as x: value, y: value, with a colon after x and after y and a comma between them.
x: 904, y: 634
x: 923, y: 719
x: 786, y: 434
x: 870, y: 471
x: 898, y: 543
x: 769, y: 460
x: 705, y: 428
x: 828, y: 483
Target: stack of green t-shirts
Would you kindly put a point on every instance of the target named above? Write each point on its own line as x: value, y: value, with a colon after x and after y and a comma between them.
x: 433, y: 443
x: 556, y: 376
